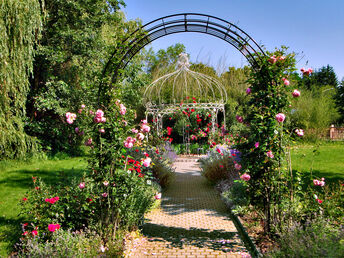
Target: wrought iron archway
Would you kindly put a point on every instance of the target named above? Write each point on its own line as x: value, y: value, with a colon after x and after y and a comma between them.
x: 184, y: 22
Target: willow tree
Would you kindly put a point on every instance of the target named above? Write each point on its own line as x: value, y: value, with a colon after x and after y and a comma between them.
x: 20, y: 25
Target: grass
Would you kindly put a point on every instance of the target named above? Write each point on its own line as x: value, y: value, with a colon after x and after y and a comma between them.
x: 325, y: 159
x: 16, y: 180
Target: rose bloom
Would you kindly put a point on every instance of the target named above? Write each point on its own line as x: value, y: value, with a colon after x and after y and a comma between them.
x: 299, y: 132
x: 34, y: 232
x: 146, y: 162
x: 123, y: 109
x: 82, y: 185
x: 53, y: 227
x: 134, y: 130
x: 272, y: 60
x: 286, y: 82
x: 239, y: 119
x: 280, y: 117
x: 157, y: 196
x: 245, y: 177
x: 237, y: 166
x: 270, y: 154
x: 105, y: 183
x: 248, y: 91
x: 256, y: 144
x: 296, y: 93
x: 102, y: 130
x: 99, y: 113
x: 104, y: 195
x: 145, y: 128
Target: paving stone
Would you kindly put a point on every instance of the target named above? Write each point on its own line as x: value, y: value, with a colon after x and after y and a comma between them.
x: 192, y: 220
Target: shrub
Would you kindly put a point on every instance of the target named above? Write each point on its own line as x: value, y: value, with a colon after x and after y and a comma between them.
x: 219, y: 165
x: 236, y: 196
x: 318, y: 238
x: 64, y: 243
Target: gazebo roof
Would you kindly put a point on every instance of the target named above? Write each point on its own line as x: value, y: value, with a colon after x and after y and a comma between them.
x: 184, y: 85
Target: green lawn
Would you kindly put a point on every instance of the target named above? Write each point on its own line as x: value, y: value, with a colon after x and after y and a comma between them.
x: 326, y: 158
x: 16, y: 180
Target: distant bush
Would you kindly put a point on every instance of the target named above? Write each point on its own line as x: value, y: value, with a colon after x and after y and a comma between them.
x: 236, y: 196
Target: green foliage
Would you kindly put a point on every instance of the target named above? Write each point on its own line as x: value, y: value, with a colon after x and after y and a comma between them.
x: 317, y: 238
x: 77, y: 38
x: 269, y: 96
x: 314, y: 110
x: 236, y: 197
x: 339, y: 98
x: 64, y: 243
x: 20, y: 28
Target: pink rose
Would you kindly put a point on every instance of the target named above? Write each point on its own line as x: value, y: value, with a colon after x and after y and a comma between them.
x: 245, y: 177
x: 103, y: 119
x: 53, y: 227
x: 102, y: 130
x: 34, y: 232
x: 286, y: 82
x: 82, y: 185
x: 104, y: 195
x: 256, y: 144
x: 281, y: 58
x: 146, y: 162
x: 105, y: 183
x: 239, y: 119
x: 134, y: 130
x: 272, y: 60
x: 145, y: 128
x: 280, y: 117
x: 157, y: 196
x: 296, y: 93
x: 123, y: 109
x: 88, y: 142
x: 140, y: 136
x: 248, y: 91
x: 144, y: 121
x: 237, y: 166
x: 128, y: 145
x: 99, y: 113
x: 270, y: 154
x: 77, y: 129
x: 83, y: 106
x: 299, y: 132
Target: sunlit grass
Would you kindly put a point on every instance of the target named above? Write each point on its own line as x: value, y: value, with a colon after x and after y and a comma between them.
x: 325, y: 159
x: 16, y: 180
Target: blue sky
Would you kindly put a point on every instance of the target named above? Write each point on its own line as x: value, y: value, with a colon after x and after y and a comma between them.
x: 312, y: 28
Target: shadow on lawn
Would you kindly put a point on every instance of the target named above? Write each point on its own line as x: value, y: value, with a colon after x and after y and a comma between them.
x: 330, y: 177
x: 179, y: 237
x: 23, y: 178
x: 10, y: 232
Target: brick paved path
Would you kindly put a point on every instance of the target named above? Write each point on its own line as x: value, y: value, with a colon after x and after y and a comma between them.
x: 191, y: 222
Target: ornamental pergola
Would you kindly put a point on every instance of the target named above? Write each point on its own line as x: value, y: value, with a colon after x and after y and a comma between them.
x: 184, y: 89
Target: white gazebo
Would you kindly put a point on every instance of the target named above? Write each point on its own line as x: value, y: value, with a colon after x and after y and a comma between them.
x: 176, y: 90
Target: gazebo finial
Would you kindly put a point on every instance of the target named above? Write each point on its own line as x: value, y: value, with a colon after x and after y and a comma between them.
x: 183, y: 61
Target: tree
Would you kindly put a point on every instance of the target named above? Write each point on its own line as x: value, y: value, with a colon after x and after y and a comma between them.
x: 20, y: 27
x: 77, y: 39
x: 340, y: 100
x: 325, y: 76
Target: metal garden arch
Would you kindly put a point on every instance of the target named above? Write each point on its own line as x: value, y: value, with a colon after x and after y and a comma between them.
x: 183, y: 22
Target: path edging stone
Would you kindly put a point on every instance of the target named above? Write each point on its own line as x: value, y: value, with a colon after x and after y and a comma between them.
x: 242, y: 232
